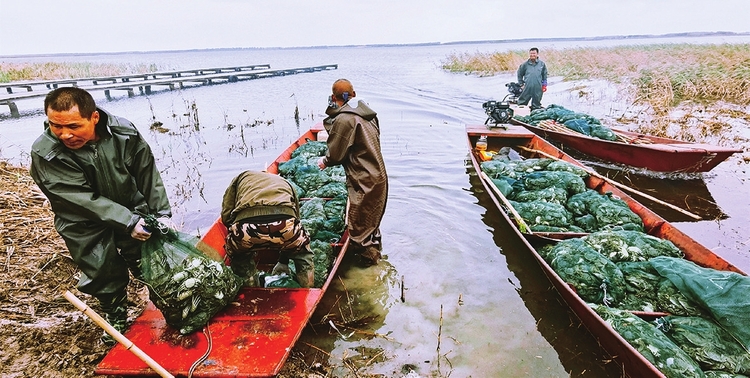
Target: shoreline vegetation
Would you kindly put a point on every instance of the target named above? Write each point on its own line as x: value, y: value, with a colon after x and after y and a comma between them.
x: 661, y: 75
x: 672, y: 83
x: 10, y: 72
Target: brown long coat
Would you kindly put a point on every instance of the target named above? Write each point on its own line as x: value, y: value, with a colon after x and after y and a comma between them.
x: 354, y: 142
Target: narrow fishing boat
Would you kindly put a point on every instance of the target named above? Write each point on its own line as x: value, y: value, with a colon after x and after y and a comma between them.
x: 527, y: 145
x: 252, y: 337
x: 637, y: 150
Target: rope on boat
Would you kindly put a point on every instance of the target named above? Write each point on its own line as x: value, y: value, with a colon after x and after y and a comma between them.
x: 207, y: 332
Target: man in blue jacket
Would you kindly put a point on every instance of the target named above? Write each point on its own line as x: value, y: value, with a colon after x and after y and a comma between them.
x: 532, y: 76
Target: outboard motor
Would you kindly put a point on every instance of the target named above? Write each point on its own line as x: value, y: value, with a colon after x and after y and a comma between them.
x: 499, y: 112
x: 515, y: 91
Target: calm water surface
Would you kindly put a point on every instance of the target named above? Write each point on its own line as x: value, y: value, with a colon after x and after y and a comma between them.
x: 468, y: 284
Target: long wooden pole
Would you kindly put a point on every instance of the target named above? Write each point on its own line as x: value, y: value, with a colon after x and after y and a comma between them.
x: 619, y: 185
x: 521, y: 224
x: 116, y: 334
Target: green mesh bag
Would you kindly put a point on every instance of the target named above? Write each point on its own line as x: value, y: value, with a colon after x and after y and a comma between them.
x: 706, y: 342
x: 323, y: 258
x: 310, y: 178
x: 654, y: 345
x: 542, y: 213
x: 185, y: 284
x: 571, y: 182
x: 330, y: 190
x: 722, y: 374
x: 608, y: 210
x: 559, y: 165
x: 723, y: 294
x: 594, y: 277
x: 310, y: 149
x: 623, y: 245
x: 550, y: 194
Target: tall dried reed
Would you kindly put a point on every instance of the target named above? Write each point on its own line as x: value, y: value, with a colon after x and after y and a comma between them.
x: 660, y: 75
x: 68, y: 70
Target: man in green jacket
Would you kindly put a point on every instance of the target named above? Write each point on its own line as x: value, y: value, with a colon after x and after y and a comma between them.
x: 532, y: 76
x: 261, y: 212
x: 100, y: 176
x: 354, y: 142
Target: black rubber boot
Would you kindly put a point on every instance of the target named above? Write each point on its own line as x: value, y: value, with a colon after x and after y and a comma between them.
x: 115, y: 309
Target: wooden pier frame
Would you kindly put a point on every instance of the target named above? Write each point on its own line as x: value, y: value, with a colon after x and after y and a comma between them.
x: 145, y: 82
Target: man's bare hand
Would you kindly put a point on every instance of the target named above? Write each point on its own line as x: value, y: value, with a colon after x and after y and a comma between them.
x: 140, y: 232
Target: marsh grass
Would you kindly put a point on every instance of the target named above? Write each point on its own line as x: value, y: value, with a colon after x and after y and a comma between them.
x: 10, y: 72
x: 660, y: 76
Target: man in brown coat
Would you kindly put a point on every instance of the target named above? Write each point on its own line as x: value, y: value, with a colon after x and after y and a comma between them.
x: 354, y: 142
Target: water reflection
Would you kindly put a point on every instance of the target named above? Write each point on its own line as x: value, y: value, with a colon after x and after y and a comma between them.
x: 349, y: 315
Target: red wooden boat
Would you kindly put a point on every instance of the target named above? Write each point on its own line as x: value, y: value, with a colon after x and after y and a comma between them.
x: 252, y: 337
x: 531, y: 145
x: 640, y: 150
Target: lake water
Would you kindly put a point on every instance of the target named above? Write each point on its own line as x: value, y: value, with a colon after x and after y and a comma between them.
x: 473, y: 302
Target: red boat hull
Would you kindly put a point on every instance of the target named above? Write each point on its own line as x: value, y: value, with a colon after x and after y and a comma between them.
x: 634, y: 364
x: 252, y: 337
x: 661, y: 155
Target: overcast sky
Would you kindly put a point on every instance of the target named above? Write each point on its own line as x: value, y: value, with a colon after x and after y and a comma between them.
x: 54, y: 26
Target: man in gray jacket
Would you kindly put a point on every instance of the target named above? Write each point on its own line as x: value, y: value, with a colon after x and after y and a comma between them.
x: 354, y: 142
x: 532, y: 76
x: 100, y: 176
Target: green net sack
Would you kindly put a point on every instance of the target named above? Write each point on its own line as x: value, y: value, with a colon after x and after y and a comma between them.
x: 311, y: 149
x: 608, y: 212
x: 625, y: 245
x: 539, y: 213
x: 706, y: 342
x: 722, y: 374
x: 594, y: 277
x: 650, y: 342
x: 185, y: 284
x: 550, y: 194
x: 724, y: 294
x: 571, y: 182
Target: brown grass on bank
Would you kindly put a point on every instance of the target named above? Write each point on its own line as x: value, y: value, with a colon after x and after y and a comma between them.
x: 10, y: 72
x: 660, y: 76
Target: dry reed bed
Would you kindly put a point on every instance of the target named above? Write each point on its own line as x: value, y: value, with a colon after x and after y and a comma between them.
x: 691, y: 92
x: 659, y: 75
x: 67, y: 70
x: 32, y: 249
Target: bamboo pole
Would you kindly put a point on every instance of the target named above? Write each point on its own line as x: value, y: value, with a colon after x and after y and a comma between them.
x: 521, y: 224
x: 116, y: 334
x: 619, y: 185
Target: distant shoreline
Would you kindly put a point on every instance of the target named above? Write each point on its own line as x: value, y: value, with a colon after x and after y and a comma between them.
x: 567, y: 39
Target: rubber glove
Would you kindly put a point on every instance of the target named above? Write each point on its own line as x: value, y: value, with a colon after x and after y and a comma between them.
x: 140, y: 232
x: 281, y: 268
x: 544, y: 88
x: 322, y: 162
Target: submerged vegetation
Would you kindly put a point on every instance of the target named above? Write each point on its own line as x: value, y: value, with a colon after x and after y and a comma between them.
x: 660, y: 76
x: 68, y: 70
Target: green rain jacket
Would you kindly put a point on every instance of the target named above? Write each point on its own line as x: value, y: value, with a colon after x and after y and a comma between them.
x: 354, y: 142
x: 95, y: 192
x: 258, y: 194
